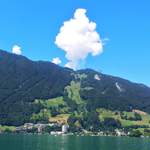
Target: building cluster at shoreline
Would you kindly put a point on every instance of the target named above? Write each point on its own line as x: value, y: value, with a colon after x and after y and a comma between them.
x: 63, y: 129
x: 52, y: 128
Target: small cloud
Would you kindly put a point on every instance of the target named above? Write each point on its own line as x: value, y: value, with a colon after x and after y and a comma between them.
x: 105, y: 40
x: 16, y: 50
x: 56, y: 61
x: 78, y: 38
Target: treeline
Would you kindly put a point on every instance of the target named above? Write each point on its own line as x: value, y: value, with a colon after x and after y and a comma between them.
x: 90, y: 121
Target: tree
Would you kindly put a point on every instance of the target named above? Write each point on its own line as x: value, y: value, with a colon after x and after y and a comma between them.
x: 137, y: 117
x: 73, y: 122
x: 91, y: 121
x: 54, y: 112
x: 110, y: 123
x: 135, y: 133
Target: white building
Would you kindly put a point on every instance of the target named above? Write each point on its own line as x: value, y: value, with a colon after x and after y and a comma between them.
x: 64, y: 128
x: 28, y: 126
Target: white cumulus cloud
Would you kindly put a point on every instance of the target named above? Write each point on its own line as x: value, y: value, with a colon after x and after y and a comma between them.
x: 78, y: 38
x: 56, y: 61
x: 16, y: 50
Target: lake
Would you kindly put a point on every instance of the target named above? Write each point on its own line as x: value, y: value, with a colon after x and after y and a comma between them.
x: 48, y: 142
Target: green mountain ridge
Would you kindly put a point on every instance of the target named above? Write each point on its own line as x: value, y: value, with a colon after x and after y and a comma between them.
x: 28, y: 89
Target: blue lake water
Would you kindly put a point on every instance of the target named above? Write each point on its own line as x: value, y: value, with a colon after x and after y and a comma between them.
x: 47, y: 142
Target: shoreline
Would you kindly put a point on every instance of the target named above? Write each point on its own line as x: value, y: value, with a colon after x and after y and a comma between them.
x: 72, y: 134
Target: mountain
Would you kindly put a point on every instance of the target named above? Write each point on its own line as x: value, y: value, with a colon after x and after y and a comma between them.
x: 23, y: 81
x: 115, y: 93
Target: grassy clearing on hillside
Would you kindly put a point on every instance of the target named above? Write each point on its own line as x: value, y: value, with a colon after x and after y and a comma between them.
x: 43, y: 114
x: 50, y: 106
x: 79, y: 76
x: 104, y: 113
x: 54, y: 102
x: 7, y: 128
x: 62, y: 118
x: 73, y: 91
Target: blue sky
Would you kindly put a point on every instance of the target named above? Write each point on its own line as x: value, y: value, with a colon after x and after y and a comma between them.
x: 34, y: 24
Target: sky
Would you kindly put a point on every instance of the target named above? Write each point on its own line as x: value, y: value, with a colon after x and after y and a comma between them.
x: 122, y: 30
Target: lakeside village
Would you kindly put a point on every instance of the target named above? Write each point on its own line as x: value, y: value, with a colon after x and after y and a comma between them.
x: 59, y: 129
x: 62, y: 129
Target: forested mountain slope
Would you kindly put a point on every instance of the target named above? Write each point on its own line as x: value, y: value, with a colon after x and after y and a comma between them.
x: 22, y: 81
